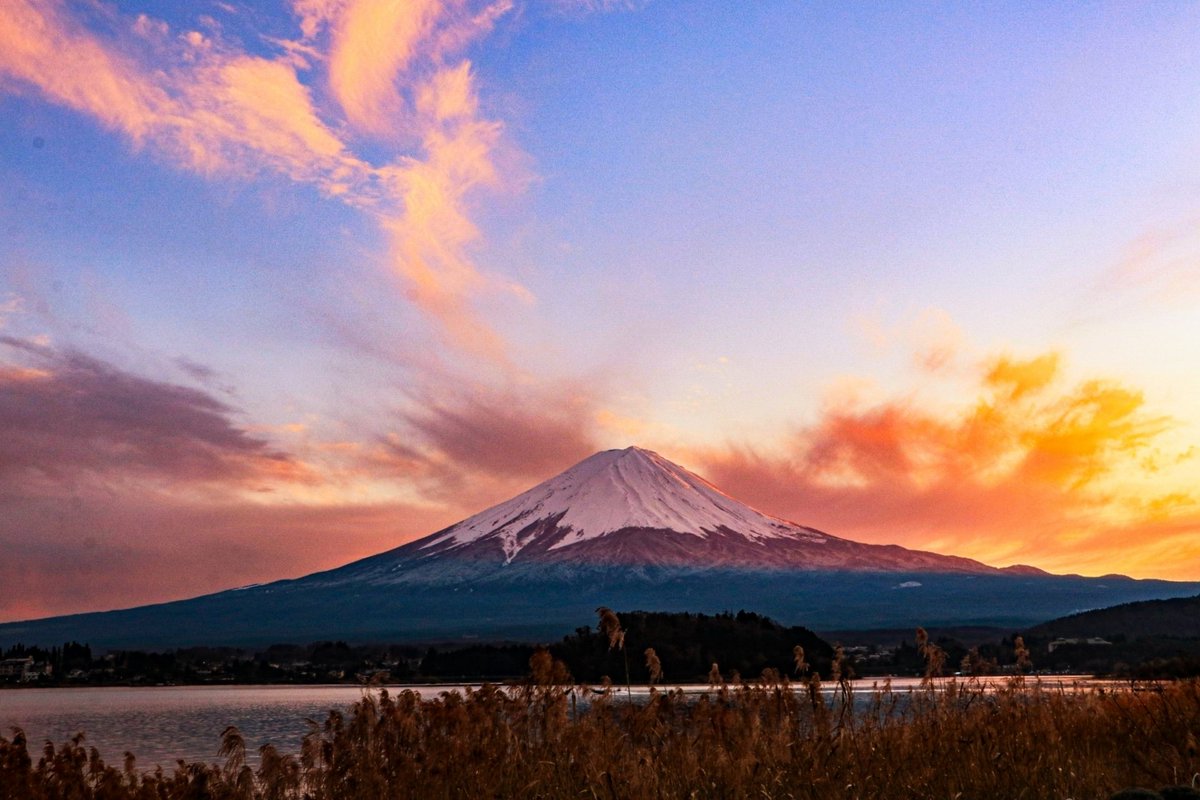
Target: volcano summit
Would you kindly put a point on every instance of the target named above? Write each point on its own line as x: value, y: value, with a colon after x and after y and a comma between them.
x: 633, y: 507
x: 623, y: 528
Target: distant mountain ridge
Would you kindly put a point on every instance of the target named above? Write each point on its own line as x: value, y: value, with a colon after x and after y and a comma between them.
x: 623, y: 528
x: 1179, y: 616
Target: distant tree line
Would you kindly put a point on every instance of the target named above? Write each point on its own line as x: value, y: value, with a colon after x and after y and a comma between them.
x: 686, y: 647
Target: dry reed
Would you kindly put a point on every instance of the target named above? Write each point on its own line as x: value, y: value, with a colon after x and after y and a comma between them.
x: 766, y: 739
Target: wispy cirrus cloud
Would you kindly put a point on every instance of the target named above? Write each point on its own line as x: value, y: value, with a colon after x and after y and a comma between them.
x: 193, y: 102
x: 1158, y: 269
x: 383, y: 56
x: 391, y: 71
x: 597, y: 6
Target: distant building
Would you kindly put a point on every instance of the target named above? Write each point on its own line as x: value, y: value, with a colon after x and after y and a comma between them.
x: 22, y: 669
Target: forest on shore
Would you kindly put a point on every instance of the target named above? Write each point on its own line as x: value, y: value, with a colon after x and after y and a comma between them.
x: 686, y: 645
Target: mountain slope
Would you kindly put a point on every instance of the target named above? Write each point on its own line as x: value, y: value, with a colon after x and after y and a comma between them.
x: 633, y: 507
x: 623, y: 528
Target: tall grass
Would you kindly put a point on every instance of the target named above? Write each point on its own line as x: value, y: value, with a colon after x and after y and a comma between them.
x: 766, y: 739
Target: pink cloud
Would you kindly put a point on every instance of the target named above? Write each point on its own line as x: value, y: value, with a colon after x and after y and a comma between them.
x: 214, y: 109
x: 477, y: 447
x: 64, y: 416
x: 110, y: 481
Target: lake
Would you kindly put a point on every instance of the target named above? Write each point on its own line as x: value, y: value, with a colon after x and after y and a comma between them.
x: 165, y: 723
x: 162, y: 724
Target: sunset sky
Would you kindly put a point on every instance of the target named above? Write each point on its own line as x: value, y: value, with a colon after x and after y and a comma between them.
x: 284, y: 285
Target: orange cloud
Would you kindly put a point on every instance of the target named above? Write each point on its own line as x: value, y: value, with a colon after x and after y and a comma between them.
x: 431, y: 237
x: 260, y: 104
x: 205, y: 107
x: 1018, y: 378
x: 391, y: 69
x: 373, y: 43
x: 1031, y: 472
x: 39, y: 47
x: 449, y: 95
x: 214, y: 109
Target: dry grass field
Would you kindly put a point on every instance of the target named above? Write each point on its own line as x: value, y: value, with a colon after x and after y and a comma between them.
x: 767, y: 739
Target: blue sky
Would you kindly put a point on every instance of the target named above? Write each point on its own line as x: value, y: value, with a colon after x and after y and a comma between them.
x: 391, y: 262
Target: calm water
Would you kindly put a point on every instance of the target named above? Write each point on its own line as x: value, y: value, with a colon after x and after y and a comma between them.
x: 162, y: 724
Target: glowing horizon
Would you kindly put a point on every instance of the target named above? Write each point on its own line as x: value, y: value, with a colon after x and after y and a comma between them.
x: 288, y: 284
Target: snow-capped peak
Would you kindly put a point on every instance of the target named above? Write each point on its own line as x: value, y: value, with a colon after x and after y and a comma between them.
x: 615, y: 490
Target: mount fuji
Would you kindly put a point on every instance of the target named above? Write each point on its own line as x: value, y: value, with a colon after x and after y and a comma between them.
x: 634, y: 508
x: 623, y: 528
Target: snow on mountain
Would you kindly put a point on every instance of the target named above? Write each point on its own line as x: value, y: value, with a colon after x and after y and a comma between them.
x: 631, y: 509
x: 612, y: 491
